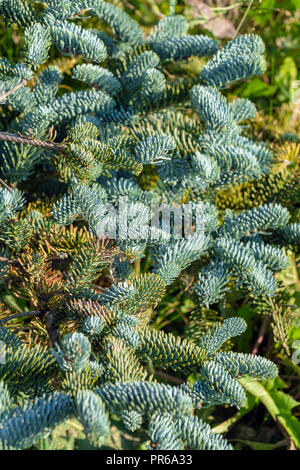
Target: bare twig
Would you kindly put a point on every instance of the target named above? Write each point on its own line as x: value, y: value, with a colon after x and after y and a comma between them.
x: 6, y: 185
x: 23, y: 139
x: 261, y: 335
x: 3, y: 259
x: 9, y: 92
x: 243, y: 19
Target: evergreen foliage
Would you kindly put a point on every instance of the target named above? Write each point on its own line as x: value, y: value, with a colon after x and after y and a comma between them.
x: 74, y: 258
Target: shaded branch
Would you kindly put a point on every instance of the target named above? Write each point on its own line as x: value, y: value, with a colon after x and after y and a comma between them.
x: 168, y: 377
x: 30, y: 313
x: 261, y: 335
